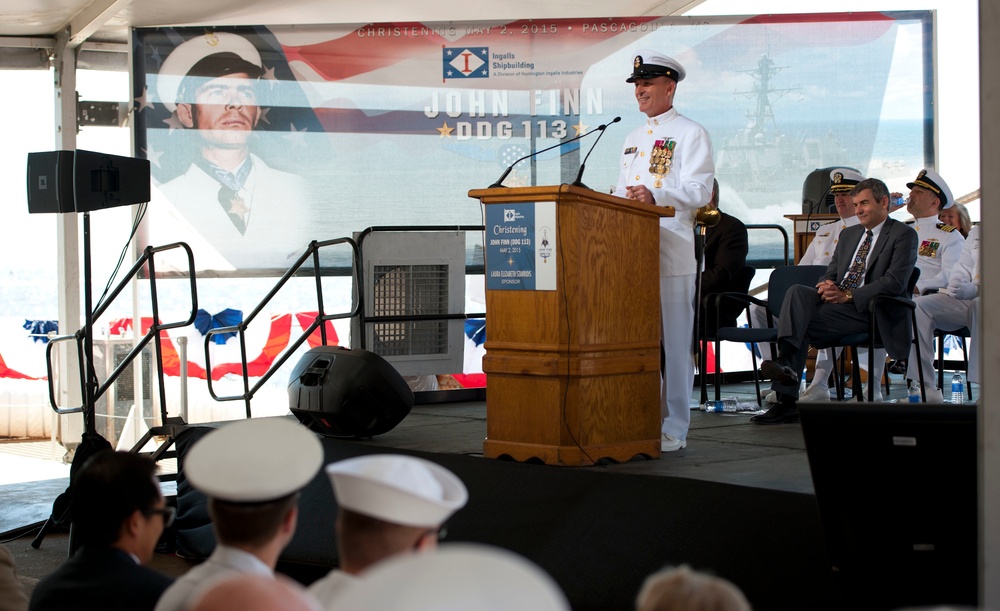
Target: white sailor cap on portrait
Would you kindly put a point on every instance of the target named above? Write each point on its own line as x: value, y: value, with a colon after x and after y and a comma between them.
x: 202, y: 58
x: 254, y: 461
x: 931, y: 180
x: 399, y: 489
x: 844, y: 179
x: 649, y: 64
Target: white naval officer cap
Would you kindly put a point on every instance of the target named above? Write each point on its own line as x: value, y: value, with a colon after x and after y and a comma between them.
x: 929, y: 179
x: 254, y: 461
x: 399, y: 489
x: 455, y: 576
x: 844, y: 179
x: 214, y: 54
x: 649, y: 64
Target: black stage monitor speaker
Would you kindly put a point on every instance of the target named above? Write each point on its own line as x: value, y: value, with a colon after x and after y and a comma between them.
x: 816, y: 196
x: 84, y: 181
x: 897, y: 489
x: 341, y: 392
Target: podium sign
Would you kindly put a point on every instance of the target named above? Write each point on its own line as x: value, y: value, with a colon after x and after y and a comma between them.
x: 573, y: 371
x: 520, y: 247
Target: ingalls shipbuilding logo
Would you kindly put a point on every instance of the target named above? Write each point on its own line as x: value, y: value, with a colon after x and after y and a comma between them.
x: 511, y: 216
x: 466, y: 62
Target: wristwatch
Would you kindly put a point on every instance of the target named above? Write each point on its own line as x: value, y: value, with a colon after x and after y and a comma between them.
x: 850, y: 295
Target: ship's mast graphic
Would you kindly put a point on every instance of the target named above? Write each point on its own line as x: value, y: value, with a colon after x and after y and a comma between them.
x: 760, y: 119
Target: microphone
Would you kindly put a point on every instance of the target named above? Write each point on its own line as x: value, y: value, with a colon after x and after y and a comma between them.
x: 499, y: 182
x: 817, y: 206
x: 579, y: 175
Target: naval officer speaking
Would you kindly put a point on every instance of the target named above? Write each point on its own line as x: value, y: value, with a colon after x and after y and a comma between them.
x: 668, y: 162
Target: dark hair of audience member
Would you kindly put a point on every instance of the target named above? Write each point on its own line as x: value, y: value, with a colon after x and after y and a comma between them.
x: 110, y: 487
x: 683, y: 589
x: 879, y: 190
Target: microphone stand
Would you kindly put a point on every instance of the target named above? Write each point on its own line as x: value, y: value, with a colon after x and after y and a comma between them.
x: 579, y: 175
x: 705, y: 217
x: 499, y: 183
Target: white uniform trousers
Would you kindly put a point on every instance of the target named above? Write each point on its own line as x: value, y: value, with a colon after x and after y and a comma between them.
x: 677, y: 381
x: 940, y: 311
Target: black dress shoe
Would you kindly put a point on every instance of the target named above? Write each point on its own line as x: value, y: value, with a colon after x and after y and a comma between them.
x: 898, y: 367
x: 781, y: 413
x: 779, y: 371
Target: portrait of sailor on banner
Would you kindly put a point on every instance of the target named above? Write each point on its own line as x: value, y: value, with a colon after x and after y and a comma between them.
x: 247, y: 213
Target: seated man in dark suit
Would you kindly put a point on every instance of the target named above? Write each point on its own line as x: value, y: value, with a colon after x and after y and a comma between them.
x: 874, y: 258
x: 118, y: 516
x: 725, y: 257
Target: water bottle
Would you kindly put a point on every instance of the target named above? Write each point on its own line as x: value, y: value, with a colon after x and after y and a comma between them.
x: 729, y: 404
x: 957, y: 388
x: 802, y: 383
x: 913, y: 392
x: 898, y: 202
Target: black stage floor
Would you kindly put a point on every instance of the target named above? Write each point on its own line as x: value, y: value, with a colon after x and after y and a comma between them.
x: 737, y: 502
x: 724, y: 448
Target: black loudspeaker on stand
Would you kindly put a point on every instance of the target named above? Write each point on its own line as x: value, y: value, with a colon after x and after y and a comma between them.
x: 342, y: 392
x: 76, y: 181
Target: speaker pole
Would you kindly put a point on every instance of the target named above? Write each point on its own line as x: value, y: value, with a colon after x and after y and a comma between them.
x: 89, y: 405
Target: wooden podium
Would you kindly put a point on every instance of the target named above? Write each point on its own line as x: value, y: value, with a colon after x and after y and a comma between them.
x: 573, y: 374
x: 805, y: 226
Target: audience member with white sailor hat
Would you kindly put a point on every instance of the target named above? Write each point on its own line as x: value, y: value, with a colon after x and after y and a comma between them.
x: 389, y: 504
x: 252, y: 471
x: 455, y: 576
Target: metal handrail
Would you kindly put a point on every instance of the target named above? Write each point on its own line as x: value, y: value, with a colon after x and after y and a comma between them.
x: 153, y: 334
x: 312, y: 252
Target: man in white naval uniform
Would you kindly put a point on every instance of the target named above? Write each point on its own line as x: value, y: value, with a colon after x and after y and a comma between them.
x: 939, y: 245
x: 953, y: 307
x: 820, y: 252
x: 252, y: 214
x: 668, y: 162
x: 389, y: 505
x: 251, y: 471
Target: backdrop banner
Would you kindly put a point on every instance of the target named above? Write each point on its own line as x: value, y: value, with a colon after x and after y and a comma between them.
x: 262, y: 139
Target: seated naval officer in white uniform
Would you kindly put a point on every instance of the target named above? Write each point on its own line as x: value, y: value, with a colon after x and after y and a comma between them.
x: 455, y: 576
x: 252, y: 471
x: 939, y: 244
x: 820, y: 252
x: 389, y: 504
x: 953, y: 307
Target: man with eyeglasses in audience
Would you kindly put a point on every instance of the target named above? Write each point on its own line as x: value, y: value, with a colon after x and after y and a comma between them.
x: 118, y: 517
